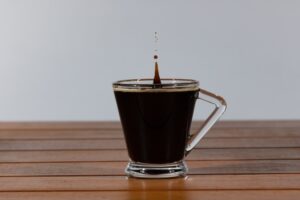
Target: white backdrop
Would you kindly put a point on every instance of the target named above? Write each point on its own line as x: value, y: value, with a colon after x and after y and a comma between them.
x: 58, y: 58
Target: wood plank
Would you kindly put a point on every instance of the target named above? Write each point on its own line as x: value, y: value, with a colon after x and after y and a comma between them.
x: 58, y: 125
x: 116, y: 124
x: 121, y: 155
x: 122, y: 183
x: 87, y: 144
x: 253, y: 132
x: 245, y: 154
x: 63, y: 156
x: 62, y: 134
x: 117, y: 168
x: 157, y: 195
x: 118, y: 134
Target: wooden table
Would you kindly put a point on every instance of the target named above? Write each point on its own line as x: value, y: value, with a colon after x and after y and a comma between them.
x: 85, y: 160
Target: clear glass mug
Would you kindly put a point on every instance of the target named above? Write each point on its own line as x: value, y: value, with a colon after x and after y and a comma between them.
x: 156, y: 121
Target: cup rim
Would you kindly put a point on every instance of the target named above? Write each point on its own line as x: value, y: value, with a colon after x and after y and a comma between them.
x: 146, y: 84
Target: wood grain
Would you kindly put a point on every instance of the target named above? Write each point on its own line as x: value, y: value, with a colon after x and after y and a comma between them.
x: 71, y: 125
x: 117, y: 133
x: 155, y: 195
x: 117, y: 168
x: 85, y: 160
x: 122, y: 183
x: 81, y: 144
x: 121, y: 155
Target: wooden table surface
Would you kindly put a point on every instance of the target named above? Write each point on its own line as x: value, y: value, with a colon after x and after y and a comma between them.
x: 86, y: 160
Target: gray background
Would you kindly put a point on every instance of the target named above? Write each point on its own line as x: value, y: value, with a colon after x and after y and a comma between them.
x: 58, y: 58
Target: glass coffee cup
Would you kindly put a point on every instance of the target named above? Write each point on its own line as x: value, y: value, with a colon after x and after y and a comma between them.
x: 156, y: 121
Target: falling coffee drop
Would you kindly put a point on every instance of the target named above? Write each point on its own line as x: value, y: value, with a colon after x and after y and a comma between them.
x: 156, y: 79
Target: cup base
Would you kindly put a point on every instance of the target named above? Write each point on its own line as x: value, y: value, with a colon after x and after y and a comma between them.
x: 146, y: 170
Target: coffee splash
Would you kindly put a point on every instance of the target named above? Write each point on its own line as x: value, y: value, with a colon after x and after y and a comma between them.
x: 156, y: 79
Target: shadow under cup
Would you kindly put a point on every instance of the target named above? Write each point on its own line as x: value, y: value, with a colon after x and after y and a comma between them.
x: 156, y: 122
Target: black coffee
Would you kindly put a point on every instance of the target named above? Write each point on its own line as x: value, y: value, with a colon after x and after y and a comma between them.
x: 156, y: 124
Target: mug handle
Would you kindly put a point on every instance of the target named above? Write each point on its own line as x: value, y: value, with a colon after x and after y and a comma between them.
x: 220, y: 107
